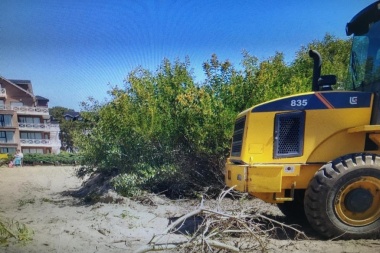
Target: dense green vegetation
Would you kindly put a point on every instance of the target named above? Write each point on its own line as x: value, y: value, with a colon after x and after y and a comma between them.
x: 162, y: 131
x: 67, y: 127
x: 64, y: 158
x: 14, y: 232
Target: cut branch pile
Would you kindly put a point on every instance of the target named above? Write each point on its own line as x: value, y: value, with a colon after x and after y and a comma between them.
x: 217, y: 230
x: 14, y: 231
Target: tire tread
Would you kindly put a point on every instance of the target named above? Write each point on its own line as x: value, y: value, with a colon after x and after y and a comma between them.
x: 315, y: 201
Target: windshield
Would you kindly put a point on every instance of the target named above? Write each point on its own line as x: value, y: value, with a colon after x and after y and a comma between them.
x: 365, y: 60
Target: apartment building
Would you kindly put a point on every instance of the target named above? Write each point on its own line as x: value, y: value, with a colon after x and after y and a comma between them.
x: 25, y: 121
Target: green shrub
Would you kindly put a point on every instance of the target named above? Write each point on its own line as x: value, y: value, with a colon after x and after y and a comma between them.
x: 14, y: 231
x: 145, y: 178
x: 62, y: 158
x: 5, y: 161
x: 127, y: 185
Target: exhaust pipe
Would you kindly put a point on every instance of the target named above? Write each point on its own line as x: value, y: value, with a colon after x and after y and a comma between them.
x: 316, y: 69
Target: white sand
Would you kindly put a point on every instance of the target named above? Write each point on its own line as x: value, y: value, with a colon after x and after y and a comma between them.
x: 35, y: 196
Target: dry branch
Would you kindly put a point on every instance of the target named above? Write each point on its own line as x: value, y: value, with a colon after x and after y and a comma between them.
x: 237, y: 227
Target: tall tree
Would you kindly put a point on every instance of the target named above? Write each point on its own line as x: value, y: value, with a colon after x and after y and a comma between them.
x: 67, y: 127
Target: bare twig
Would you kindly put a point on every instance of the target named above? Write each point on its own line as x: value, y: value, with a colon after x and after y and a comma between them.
x: 283, y: 225
x: 180, y: 220
x: 220, y: 245
x: 218, y: 226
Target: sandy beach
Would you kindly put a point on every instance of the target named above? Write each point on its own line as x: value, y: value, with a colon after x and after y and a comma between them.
x: 38, y: 197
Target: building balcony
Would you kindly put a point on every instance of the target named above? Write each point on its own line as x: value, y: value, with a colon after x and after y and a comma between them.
x: 39, y: 127
x: 29, y: 110
x: 2, y: 141
x: 6, y: 126
x: 3, y: 93
x: 39, y: 143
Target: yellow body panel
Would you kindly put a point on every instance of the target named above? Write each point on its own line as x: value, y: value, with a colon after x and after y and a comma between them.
x: 320, y: 135
x: 266, y: 179
x: 237, y: 177
x: 328, y: 134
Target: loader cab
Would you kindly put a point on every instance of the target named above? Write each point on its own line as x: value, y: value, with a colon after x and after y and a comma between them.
x: 365, y: 60
x: 364, y: 70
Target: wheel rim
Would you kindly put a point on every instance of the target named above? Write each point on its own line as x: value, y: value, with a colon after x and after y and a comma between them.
x: 357, y: 203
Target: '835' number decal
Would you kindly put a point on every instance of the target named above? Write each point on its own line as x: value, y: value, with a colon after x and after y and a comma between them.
x: 298, y: 102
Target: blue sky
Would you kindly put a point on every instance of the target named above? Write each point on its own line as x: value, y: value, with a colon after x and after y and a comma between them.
x: 75, y: 49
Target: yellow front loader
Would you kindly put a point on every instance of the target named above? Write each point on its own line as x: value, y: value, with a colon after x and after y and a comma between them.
x: 318, y: 153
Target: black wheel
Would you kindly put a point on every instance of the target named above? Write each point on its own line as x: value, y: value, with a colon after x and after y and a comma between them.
x: 294, y: 209
x: 343, y: 198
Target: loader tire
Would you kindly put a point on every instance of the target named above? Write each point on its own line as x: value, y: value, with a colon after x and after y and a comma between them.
x: 294, y: 209
x: 343, y: 199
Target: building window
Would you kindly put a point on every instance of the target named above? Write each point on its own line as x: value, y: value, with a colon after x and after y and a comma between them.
x: 3, y: 137
x: 5, y: 150
x: 5, y: 120
x: 16, y: 104
x: 6, y: 137
x: 31, y: 135
x: 35, y: 120
x: 2, y: 106
x: 32, y: 150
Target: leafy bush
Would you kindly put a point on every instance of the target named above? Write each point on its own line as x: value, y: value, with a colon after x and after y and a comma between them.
x: 5, y: 159
x: 146, y: 178
x: 14, y: 231
x: 128, y: 185
x: 62, y: 158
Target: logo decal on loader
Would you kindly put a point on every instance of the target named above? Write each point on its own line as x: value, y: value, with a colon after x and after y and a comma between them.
x: 317, y: 101
x: 354, y: 100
